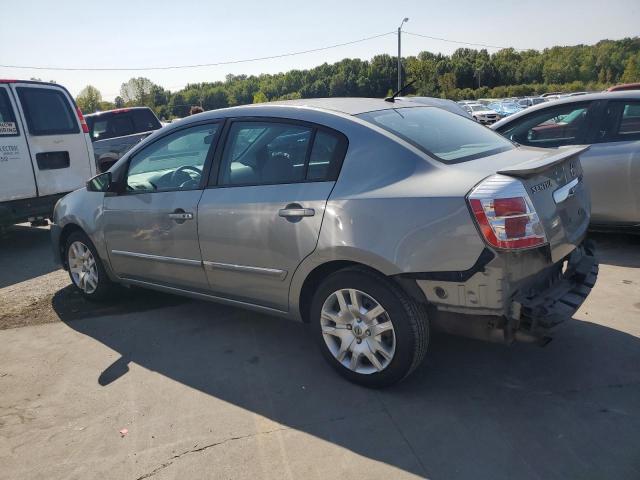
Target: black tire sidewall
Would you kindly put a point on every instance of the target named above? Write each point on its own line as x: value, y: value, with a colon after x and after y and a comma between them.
x: 377, y: 287
x: 104, y: 283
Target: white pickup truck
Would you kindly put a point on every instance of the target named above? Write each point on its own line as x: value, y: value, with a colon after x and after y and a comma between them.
x: 45, y: 150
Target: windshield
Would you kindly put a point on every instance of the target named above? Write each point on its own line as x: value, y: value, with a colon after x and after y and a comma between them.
x: 448, y: 137
x: 478, y: 108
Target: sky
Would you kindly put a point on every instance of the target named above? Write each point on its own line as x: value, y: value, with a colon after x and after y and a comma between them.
x: 134, y: 34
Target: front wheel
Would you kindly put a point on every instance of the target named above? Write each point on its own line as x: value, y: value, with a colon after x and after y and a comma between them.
x: 368, y: 328
x: 85, y: 268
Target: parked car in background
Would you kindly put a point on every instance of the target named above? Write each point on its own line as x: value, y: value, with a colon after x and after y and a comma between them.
x: 481, y: 113
x: 45, y: 150
x: 624, y: 87
x: 505, y: 109
x: 114, y: 132
x: 371, y: 220
x: 610, y: 123
x: 551, y: 94
x: 530, y: 101
x: 443, y: 103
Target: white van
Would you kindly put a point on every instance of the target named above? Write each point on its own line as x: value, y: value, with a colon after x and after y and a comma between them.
x: 45, y: 150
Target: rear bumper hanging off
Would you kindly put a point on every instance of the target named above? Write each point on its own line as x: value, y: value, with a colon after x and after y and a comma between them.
x: 537, y: 315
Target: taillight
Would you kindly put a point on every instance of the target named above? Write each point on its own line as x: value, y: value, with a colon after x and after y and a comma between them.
x: 83, y: 122
x: 505, y: 215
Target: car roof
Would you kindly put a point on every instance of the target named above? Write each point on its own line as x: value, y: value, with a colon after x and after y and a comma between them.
x: 115, y: 110
x: 349, y: 105
x: 443, y: 103
x: 623, y: 95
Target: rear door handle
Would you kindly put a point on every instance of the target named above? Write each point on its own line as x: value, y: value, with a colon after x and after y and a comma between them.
x: 296, y: 212
x: 180, y: 214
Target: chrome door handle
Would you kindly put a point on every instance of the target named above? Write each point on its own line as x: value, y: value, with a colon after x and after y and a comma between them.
x: 296, y: 212
x: 181, y: 216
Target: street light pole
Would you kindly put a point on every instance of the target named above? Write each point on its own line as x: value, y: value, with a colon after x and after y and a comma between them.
x: 406, y: 19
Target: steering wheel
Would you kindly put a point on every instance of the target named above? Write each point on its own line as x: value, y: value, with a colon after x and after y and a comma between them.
x: 175, y: 180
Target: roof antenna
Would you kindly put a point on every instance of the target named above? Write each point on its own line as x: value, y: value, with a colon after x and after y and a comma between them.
x: 392, y: 98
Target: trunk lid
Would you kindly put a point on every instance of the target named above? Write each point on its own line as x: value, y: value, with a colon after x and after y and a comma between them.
x: 556, y: 188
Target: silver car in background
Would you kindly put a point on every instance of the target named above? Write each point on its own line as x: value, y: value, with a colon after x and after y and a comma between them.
x: 372, y: 221
x: 482, y: 113
x: 610, y: 124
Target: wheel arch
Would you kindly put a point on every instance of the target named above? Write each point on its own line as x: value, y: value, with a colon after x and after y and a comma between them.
x: 315, y: 277
x: 65, y: 233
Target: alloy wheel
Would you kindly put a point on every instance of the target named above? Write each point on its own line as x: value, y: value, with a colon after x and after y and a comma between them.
x: 83, y: 268
x: 358, y: 331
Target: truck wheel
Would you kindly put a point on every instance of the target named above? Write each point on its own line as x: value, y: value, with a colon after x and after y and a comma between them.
x: 85, y: 268
x: 368, y: 328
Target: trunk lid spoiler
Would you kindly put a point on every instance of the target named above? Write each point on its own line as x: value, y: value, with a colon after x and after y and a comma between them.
x: 538, y: 165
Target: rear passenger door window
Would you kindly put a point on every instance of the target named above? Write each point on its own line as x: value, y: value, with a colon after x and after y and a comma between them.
x: 47, y: 111
x: 259, y: 153
x: 621, y: 122
x: 266, y: 153
x: 551, y: 127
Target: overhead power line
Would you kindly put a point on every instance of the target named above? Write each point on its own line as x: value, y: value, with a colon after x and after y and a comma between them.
x: 246, y: 60
x: 459, y: 42
x: 215, y: 64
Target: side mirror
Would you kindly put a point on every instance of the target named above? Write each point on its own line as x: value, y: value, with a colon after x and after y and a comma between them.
x: 100, y: 183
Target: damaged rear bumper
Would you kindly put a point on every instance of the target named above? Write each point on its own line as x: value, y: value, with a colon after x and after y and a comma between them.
x: 537, y: 314
x: 500, y: 300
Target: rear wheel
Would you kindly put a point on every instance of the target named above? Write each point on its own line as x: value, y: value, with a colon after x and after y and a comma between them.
x: 368, y: 329
x: 85, y: 268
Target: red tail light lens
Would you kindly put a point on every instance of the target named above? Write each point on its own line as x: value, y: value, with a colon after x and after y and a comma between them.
x: 505, y: 215
x: 83, y: 122
x: 505, y: 207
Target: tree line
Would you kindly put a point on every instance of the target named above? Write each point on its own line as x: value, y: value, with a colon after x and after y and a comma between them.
x: 467, y: 73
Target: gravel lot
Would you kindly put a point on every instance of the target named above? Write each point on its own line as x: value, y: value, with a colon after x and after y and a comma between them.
x: 211, y: 391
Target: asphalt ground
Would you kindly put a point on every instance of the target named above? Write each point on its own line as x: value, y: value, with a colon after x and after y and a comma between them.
x: 209, y: 391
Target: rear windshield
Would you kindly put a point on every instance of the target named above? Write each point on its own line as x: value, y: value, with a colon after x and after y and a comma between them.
x: 443, y: 135
x: 118, y: 124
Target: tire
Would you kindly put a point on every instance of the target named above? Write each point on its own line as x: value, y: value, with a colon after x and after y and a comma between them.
x: 76, y: 257
x: 333, y: 321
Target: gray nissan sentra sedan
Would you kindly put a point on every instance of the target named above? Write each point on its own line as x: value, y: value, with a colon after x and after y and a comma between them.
x: 373, y: 221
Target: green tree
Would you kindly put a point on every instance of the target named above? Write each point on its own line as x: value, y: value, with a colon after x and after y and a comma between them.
x: 89, y: 99
x: 137, y: 91
x: 260, y: 97
x: 632, y: 70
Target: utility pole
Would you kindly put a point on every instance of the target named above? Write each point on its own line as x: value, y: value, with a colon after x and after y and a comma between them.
x: 406, y: 19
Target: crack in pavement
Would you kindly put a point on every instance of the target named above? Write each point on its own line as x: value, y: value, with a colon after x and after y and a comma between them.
x: 172, y: 460
x: 203, y: 448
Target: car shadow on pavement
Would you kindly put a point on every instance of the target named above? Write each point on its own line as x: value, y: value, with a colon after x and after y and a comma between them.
x: 18, y: 246
x: 472, y: 410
